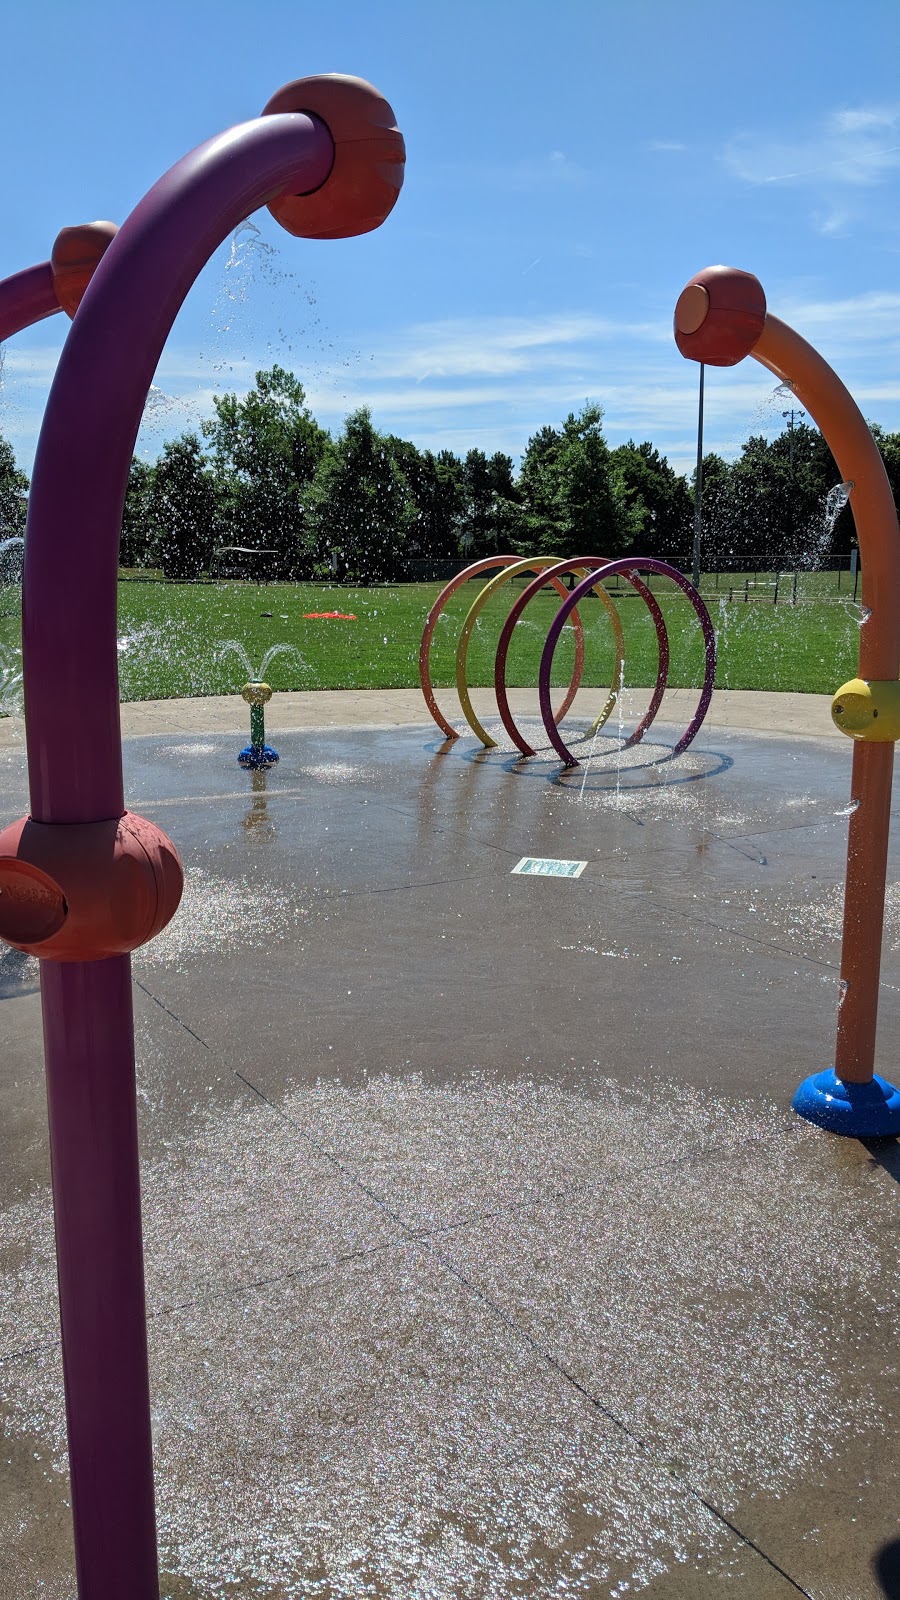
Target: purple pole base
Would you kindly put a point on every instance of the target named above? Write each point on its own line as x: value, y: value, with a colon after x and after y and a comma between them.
x: 89, y: 1045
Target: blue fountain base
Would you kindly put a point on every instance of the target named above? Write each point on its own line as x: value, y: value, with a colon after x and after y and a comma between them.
x: 258, y: 755
x: 861, y: 1110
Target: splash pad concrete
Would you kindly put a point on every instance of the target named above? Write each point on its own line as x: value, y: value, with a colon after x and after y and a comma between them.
x: 537, y: 1285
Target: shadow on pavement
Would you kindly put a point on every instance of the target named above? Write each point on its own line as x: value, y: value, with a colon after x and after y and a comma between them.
x: 885, y: 1153
x: 886, y: 1567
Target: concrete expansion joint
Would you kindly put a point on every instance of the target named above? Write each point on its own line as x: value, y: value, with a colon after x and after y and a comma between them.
x: 515, y: 1326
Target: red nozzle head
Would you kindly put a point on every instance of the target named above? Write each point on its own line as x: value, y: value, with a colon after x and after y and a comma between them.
x: 74, y: 259
x: 369, y: 154
x: 719, y: 316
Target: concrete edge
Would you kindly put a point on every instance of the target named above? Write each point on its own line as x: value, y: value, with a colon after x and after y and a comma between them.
x: 732, y: 710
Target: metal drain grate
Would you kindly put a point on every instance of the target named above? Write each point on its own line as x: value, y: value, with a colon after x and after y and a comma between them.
x: 546, y: 867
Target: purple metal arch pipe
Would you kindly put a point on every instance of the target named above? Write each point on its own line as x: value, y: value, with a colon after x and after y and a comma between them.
x: 26, y: 297
x: 644, y: 564
x: 69, y: 650
x: 86, y: 443
x: 57, y: 284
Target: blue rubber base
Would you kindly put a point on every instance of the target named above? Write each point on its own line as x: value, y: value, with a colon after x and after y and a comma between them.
x: 258, y: 755
x: 861, y: 1110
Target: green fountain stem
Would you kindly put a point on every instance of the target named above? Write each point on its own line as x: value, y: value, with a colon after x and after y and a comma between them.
x: 257, y: 725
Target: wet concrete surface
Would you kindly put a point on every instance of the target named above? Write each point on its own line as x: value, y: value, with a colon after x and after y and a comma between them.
x: 484, y: 1254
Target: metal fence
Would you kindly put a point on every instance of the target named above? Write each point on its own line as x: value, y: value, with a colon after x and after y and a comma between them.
x: 839, y: 581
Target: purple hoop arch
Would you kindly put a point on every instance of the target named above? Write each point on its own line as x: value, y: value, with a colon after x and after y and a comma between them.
x: 524, y: 599
x: 646, y: 564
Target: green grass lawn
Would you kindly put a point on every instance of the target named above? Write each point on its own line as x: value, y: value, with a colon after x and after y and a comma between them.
x: 171, y: 637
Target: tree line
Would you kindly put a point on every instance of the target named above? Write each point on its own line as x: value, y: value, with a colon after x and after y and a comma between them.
x: 263, y: 491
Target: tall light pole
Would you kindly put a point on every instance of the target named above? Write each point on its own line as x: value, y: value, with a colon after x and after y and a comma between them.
x: 698, y: 488
x: 790, y: 415
x: 794, y: 412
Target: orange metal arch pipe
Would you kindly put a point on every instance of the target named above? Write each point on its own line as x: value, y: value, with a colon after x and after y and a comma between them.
x: 721, y: 317
x: 822, y: 393
x: 819, y: 389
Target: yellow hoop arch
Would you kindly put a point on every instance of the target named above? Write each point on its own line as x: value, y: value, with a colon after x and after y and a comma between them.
x: 537, y: 565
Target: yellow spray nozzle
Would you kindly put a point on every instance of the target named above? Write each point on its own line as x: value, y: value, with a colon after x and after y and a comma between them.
x: 869, y: 711
x: 256, y: 694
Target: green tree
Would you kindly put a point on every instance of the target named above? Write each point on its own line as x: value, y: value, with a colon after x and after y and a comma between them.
x: 267, y: 449
x: 13, y: 494
x: 490, y: 516
x: 780, y: 491
x: 663, y: 499
x: 183, y: 509
x: 136, y: 543
x: 434, y: 482
x: 774, y: 508
x: 362, y: 510
x: 889, y: 445
x: 717, y: 533
x: 575, y: 498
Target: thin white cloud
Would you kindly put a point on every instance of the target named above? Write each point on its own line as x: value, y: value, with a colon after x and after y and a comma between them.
x: 491, y: 382
x: 867, y: 394
x: 664, y: 145
x: 865, y: 320
x: 32, y: 368
x: 498, y: 347
x: 833, y: 222
x: 856, y: 148
x: 873, y: 118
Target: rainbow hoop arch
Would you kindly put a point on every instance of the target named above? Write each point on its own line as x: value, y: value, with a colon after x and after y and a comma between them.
x: 551, y: 572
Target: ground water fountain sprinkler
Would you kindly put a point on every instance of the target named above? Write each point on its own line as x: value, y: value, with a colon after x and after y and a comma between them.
x: 257, y: 694
x: 82, y: 881
x: 721, y: 317
x: 257, y: 753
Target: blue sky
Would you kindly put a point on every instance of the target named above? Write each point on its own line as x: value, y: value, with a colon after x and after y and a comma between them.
x: 570, y: 164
